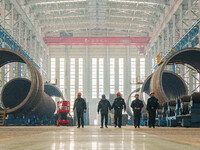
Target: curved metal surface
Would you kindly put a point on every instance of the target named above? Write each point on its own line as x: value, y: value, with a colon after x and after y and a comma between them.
x: 185, y: 98
x: 128, y: 109
x: 169, y: 87
x: 146, y: 85
x: 173, y: 85
x: 52, y: 90
x: 14, y: 92
x: 195, y: 97
x: 172, y: 103
x: 35, y: 100
x: 188, y: 56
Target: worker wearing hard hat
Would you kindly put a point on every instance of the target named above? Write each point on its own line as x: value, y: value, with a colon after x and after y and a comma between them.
x: 152, y: 106
x: 80, y: 106
x: 137, y: 106
x: 118, y: 105
x: 104, y: 106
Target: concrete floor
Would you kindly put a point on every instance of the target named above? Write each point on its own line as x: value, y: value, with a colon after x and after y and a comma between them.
x: 94, y: 138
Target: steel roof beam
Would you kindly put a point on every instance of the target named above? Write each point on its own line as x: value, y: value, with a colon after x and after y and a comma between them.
x: 42, y: 11
x: 165, y: 21
x: 130, y: 7
x: 57, y: 17
x: 57, y: 22
x: 69, y: 19
x: 102, y: 31
x: 26, y: 19
x: 88, y: 28
x: 38, y: 8
x: 67, y: 22
x: 77, y: 19
x: 148, y: 2
x: 60, y: 15
x: 46, y: 2
x: 136, y: 8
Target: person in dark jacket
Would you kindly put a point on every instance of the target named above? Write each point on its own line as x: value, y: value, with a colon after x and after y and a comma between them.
x: 137, y: 106
x: 80, y: 106
x: 118, y: 105
x: 152, y: 107
x: 104, y: 106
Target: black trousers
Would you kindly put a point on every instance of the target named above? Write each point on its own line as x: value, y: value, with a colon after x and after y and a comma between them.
x: 118, y: 118
x: 152, y: 118
x: 80, y: 119
x: 102, y: 119
x: 63, y: 116
x: 137, y: 116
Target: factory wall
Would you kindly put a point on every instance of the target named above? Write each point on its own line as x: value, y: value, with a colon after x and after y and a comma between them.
x: 87, y: 54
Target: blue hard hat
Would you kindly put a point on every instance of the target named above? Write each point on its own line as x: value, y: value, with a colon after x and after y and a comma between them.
x: 103, y: 96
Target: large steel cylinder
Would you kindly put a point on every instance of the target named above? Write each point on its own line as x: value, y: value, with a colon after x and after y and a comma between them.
x: 172, y: 103
x: 195, y: 97
x: 22, y: 95
x: 52, y: 90
x: 188, y: 56
x: 145, y: 87
x: 15, y: 92
x: 173, y: 86
x: 178, y: 89
x: 185, y: 98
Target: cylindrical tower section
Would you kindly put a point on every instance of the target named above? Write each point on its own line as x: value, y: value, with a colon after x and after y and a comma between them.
x: 22, y: 95
x: 188, y: 56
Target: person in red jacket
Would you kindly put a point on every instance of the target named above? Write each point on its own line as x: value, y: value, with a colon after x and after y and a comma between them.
x: 137, y: 106
x: 118, y: 106
x: 80, y: 106
x: 152, y: 107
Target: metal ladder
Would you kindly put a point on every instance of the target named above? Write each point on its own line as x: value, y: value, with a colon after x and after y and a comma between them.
x: 2, y: 118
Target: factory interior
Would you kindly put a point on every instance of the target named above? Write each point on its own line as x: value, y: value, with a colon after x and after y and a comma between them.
x: 99, y: 74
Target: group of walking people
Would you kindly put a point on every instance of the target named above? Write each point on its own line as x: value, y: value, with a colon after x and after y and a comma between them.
x: 118, y: 105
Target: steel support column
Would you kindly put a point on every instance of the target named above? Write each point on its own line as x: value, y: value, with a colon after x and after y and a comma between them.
x: 127, y: 68
x: 12, y: 20
x: 163, y: 42
x: 107, y: 73
x: 191, y: 80
x: 174, y: 29
x: 168, y: 38
x: 20, y: 29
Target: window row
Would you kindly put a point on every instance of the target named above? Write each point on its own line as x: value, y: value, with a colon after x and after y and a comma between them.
x: 98, y: 73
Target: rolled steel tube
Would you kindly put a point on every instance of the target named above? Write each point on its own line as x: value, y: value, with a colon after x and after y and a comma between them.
x: 195, y: 97
x: 22, y: 95
x: 165, y: 105
x: 188, y: 56
x: 173, y: 85
x: 145, y: 87
x: 172, y: 103
x: 185, y: 98
x: 52, y: 90
x: 171, y: 112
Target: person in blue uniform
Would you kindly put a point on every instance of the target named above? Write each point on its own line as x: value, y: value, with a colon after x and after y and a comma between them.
x: 103, y: 106
x: 137, y: 106
x: 152, y: 107
x: 118, y: 106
